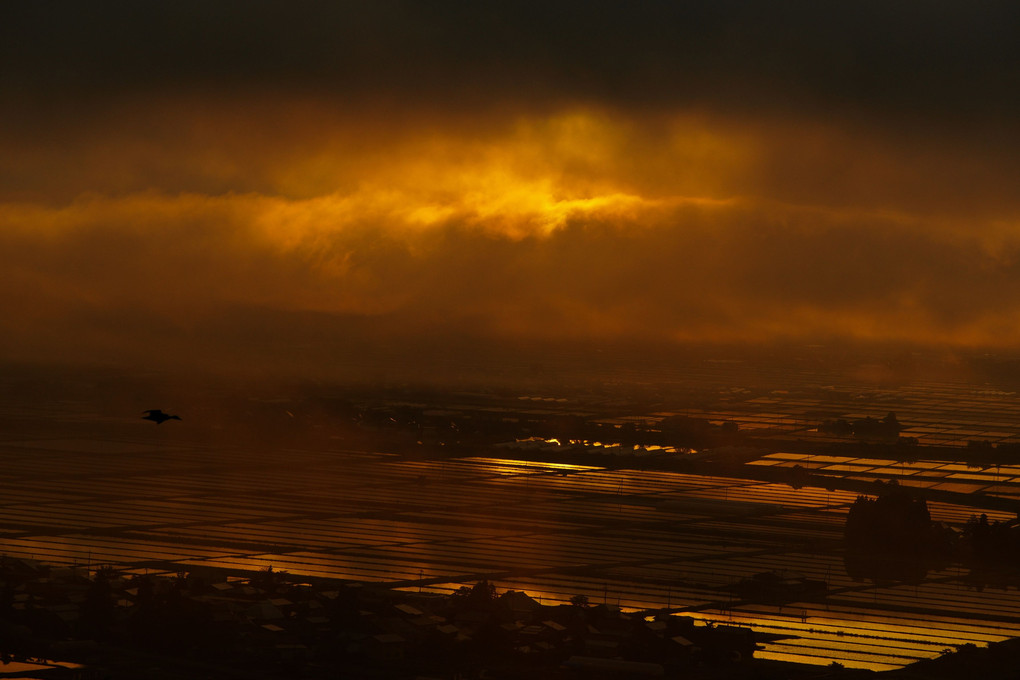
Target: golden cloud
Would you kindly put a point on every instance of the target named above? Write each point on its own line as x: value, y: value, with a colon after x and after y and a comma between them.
x: 578, y: 224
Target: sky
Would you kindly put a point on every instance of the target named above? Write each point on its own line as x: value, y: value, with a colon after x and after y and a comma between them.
x: 238, y: 182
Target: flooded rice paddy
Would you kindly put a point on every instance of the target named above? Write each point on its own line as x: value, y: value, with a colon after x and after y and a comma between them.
x: 638, y: 539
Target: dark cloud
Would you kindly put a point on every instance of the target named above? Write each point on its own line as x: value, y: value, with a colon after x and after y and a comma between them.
x: 929, y: 59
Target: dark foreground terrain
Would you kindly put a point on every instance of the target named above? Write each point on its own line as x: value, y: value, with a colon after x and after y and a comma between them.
x: 408, y: 532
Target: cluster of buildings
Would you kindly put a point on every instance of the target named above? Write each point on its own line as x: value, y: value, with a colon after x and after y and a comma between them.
x: 114, y: 624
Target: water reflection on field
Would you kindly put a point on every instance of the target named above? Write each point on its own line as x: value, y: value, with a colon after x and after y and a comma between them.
x: 639, y: 540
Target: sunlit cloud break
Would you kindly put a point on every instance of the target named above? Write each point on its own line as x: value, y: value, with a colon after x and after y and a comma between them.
x: 580, y: 224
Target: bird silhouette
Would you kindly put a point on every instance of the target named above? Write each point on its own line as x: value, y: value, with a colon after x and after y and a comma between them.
x: 157, y: 416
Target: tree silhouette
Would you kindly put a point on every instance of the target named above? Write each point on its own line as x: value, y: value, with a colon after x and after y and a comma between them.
x: 891, y: 536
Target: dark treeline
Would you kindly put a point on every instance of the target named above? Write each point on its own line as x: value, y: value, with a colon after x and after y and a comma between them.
x: 892, y: 537
x: 868, y: 428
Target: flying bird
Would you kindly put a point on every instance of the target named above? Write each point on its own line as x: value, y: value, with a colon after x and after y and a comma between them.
x: 157, y: 416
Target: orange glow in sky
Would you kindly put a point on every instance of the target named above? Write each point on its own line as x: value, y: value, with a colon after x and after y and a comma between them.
x: 577, y: 223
